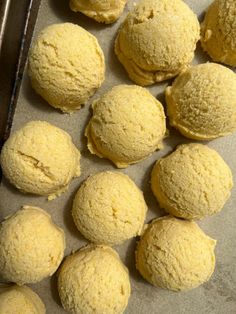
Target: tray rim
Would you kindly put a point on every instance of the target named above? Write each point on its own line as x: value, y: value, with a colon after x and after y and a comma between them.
x: 28, y: 11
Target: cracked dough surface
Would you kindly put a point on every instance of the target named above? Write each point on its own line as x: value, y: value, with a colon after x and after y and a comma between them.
x: 66, y: 66
x: 104, y: 11
x: 192, y: 182
x: 31, y: 246
x: 40, y: 159
x: 157, y: 40
x: 20, y: 300
x: 201, y: 103
x: 109, y: 208
x: 128, y: 125
x: 218, y: 31
x: 94, y: 280
x: 175, y: 254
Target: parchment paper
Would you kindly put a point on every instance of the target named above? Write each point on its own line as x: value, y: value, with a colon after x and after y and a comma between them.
x: 216, y: 296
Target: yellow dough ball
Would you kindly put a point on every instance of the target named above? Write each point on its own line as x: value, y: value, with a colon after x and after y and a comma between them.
x: 157, y: 40
x: 127, y: 126
x: 31, y: 246
x: 40, y: 159
x: 201, y: 103
x: 66, y: 66
x: 104, y: 11
x: 218, y: 32
x: 20, y: 300
x: 193, y: 182
x: 93, y: 281
x: 175, y: 254
x: 109, y: 208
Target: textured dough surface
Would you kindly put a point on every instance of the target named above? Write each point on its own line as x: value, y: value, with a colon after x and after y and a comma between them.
x: 192, y: 182
x: 201, y: 103
x: 218, y: 31
x: 31, y: 246
x: 20, y: 300
x: 128, y: 125
x: 175, y: 254
x: 66, y: 66
x: 94, y: 280
x: 109, y: 208
x: 157, y: 40
x: 40, y: 159
x: 104, y: 11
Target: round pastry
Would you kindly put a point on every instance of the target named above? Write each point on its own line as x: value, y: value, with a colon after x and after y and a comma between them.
x: 201, y: 103
x: 109, y: 208
x: 218, y: 32
x: 20, y: 299
x: 175, y: 254
x: 66, y: 66
x: 193, y: 182
x: 31, y: 246
x: 157, y: 40
x: 94, y: 280
x: 128, y: 125
x: 104, y: 11
x: 40, y: 159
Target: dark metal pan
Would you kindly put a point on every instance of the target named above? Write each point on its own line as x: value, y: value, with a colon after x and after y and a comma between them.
x: 17, y: 20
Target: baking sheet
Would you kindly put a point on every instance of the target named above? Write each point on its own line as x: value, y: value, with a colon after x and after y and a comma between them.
x: 216, y: 296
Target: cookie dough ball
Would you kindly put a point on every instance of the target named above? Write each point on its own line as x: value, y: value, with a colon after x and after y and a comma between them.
x: 31, y: 246
x: 20, y: 299
x: 218, y: 32
x: 66, y: 66
x: 201, y: 103
x: 175, y: 254
x: 157, y: 40
x: 40, y: 159
x: 192, y: 182
x: 104, y: 11
x: 109, y: 208
x: 94, y: 280
x: 127, y: 126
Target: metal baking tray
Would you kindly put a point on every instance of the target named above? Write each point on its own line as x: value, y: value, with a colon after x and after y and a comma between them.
x: 20, y: 104
x: 17, y: 20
